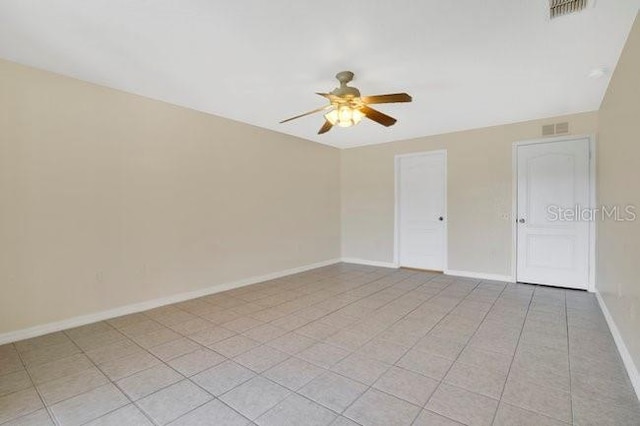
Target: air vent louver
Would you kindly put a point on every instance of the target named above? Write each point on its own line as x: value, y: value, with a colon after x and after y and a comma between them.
x: 562, y: 128
x: 564, y: 7
x: 548, y: 130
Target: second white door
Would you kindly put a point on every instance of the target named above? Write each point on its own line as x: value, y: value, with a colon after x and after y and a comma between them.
x: 421, y: 233
x: 553, y: 241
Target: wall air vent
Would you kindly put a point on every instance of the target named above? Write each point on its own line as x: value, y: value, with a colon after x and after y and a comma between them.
x: 549, y: 130
x: 562, y: 128
x: 564, y: 7
x: 555, y: 129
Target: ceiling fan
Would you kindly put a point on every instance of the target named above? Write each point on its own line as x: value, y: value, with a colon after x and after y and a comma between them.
x: 346, y: 107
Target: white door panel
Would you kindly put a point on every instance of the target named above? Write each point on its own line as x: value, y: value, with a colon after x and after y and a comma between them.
x: 553, y: 176
x: 421, y: 209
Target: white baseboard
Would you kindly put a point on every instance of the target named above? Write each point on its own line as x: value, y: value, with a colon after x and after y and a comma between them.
x: 39, y: 330
x: 632, y: 369
x: 465, y: 274
x: 479, y: 275
x: 370, y: 262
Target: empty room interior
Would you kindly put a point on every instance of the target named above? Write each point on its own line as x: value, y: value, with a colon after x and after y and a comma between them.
x: 293, y: 213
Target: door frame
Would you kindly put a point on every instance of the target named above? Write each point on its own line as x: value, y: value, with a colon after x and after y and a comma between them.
x: 591, y: 285
x: 396, y: 221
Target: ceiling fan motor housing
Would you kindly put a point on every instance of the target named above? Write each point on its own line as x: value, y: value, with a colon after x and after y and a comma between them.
x: 345, y: 91
x: 344, y: 77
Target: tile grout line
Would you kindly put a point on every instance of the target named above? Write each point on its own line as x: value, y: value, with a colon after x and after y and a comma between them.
x: 96, y: 365
x: 189, y: 378
x: 524, y: 322
x: 162, y: 362
x: 364, y: 284
x: 413, y: 346
x: 328, y: 370
x: 302, y: 295
x: 307, y: 307
x: 292, y: 392
x: 451, y: 366
x: 464, y: 347
x: 33, y: 383
x: 110, y: 381
x: 566, y: 316
x: 409, y: 349
x: 135, y: 402
x: 129, y: 338
x: 285, y: 287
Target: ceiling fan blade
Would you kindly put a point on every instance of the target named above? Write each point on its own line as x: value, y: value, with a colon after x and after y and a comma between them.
x: 307, y: 113
x: 325, y: 127
x: 330, y: 96
x: 378, y: 117
x: 387, y: 99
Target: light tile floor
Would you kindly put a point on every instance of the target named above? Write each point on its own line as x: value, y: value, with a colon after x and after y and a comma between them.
x: 340, y: 345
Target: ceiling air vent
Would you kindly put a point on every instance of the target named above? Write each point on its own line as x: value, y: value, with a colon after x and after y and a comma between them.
x: 564, y: 7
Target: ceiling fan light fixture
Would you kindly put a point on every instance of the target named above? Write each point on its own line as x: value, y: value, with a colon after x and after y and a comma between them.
x: 347, y: 108
x: 344, y: 116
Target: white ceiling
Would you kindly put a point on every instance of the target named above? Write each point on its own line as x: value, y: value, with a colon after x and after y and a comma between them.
x: 467, y: 63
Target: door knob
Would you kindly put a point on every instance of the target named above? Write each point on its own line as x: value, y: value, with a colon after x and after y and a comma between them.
x: 441, y: 218
x: 521, y: 220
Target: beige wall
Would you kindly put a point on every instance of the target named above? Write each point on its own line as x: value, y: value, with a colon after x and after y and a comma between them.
x: 479, y: 193
x: 108, y: 199
x: 618, y: 168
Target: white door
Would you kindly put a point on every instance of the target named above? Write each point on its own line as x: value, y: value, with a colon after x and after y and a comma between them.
x: 552, y: 242
x: 421, y: 210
